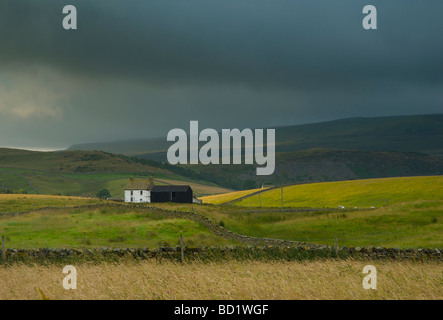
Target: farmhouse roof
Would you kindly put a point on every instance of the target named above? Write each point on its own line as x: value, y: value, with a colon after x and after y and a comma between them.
x: 140, y: 184
x: 170, y: 188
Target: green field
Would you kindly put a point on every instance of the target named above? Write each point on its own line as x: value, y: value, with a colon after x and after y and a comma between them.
x: 14, y: 202
x: 350, y: 194
x: 105, y: 227
x: 83, y: 173
x: 88, y: 184
x: 413, y: 219
x: 408, y: 225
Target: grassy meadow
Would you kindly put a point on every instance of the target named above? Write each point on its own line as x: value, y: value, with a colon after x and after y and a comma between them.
x: 88, y: 184
x: 416, y: 224
x: 104, y: 227
x: 353, y: 193
x: 408, y: 225
x: 411, y: 223
x: 311, y: 279
x: 25, y: 202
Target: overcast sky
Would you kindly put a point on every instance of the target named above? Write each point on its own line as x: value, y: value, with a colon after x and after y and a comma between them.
x: 138, y: 68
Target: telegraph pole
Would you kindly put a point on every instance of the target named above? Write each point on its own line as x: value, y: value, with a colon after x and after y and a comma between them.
x: 281, y: 173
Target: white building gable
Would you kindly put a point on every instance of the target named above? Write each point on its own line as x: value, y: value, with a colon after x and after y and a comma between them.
x: 139, y: 190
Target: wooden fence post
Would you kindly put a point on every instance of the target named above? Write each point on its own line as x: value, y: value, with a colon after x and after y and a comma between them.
x: 336, y: 246
x: 181, y: 247
x: 3, y: 248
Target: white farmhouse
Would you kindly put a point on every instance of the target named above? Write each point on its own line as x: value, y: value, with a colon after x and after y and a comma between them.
x: 139, y: 190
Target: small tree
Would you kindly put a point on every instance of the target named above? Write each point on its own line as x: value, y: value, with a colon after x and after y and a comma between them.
x: 103, y: 194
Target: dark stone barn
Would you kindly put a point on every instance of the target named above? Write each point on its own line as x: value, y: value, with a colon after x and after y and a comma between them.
x: 179, y: 194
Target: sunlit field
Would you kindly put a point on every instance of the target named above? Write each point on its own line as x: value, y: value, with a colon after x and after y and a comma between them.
x: 323, y: 279
x: 354, y: 193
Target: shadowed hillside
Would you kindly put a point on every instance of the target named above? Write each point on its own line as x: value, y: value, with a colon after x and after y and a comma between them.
x: 318, y: 165
x: 347, y: 149
x: 420, y: 133
x: 71, y: 161
x: 83, y: 173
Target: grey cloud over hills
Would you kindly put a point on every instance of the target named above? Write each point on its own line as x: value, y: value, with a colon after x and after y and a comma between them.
x: 136, y: 69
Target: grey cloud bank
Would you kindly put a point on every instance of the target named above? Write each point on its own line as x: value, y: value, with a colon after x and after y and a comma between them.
x: 136, y: 69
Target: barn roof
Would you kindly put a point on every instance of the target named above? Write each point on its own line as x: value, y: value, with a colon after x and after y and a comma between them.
x: 171, y: 188
x: 140, y: 184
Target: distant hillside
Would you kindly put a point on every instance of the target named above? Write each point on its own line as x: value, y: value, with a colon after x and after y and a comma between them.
x: 318, y: 165
x: 72, y: 161
x: 418, y: 133
x: 128, y: 147
x: 348, y: 149
x: 84, y: 173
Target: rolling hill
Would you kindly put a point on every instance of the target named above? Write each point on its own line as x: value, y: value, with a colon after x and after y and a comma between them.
x: 71, y: 161
x: 346, y: 149
x: 350, y: 194
x: 82, y: 173
x: 317, y: 165
x: 417, y: 133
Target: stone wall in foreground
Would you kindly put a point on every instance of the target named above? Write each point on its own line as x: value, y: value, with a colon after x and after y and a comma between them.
x: 249, y: 252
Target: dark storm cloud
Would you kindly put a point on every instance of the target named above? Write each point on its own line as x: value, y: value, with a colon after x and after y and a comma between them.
x: 278, y: 43
x: 151, y: 65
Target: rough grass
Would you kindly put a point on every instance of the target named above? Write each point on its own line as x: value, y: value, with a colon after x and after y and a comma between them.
x: 106, y: 227
x: 26, y: 202
x: 360, y: 193
x: 418, y: 224
x: 88, y: 184
x: 149, y: 279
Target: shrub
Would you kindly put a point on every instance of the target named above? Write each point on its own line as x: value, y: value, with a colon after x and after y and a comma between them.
x: 103, y: 194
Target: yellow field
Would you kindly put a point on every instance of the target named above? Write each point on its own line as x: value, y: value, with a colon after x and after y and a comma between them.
x: 25, y: 202
x: 360, y: 193
x: 225, y: 197
x: 326, y: 279
x: 37, y: 196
